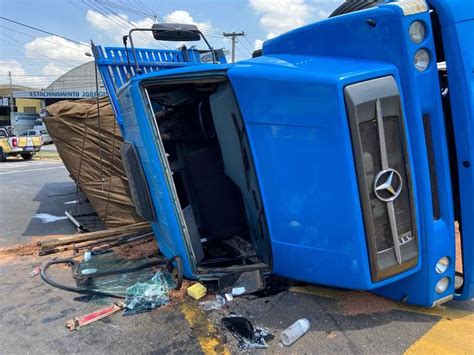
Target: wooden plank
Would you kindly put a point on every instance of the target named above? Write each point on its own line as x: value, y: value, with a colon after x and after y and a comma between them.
x: 78, y: 238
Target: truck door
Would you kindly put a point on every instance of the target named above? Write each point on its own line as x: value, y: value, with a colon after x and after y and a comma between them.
x: 150, y: 178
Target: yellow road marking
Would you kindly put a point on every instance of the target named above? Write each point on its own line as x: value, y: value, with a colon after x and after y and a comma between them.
x: 203, y: 329
x: 438, y: 311
x: 453, y: 334
x: 447, y: 337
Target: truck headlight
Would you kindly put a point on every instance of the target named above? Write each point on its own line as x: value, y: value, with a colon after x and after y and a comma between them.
x: 417, y: 32
x: 442, y: 285
x: 442, y: 265
x: 422, y: 59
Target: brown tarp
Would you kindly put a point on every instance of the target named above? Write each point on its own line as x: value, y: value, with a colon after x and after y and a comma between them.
x: 89, y: 147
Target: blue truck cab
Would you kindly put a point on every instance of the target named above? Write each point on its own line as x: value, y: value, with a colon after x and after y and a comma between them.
x: 340, y: 156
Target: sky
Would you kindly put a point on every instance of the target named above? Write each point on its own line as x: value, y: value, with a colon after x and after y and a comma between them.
x: 36, y: 59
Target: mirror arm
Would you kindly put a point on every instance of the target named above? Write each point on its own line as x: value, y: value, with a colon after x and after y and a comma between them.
x: 214, y: 59
x: 137, y: 67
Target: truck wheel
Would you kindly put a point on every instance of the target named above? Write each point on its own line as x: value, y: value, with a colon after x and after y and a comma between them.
x: 351, y: 6
x: 27, y: 156
x: 3, y: 157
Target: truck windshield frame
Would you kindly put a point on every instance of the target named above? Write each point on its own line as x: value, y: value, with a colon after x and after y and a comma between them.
x: 210, y: 270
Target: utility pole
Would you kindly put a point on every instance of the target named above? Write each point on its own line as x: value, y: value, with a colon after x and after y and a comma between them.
x: 233, y: 36
x: 12, y: 107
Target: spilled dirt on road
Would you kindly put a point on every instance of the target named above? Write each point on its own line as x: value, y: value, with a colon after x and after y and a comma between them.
x: 30, y: 249
x: 355, y: 303
x: 16, y: 251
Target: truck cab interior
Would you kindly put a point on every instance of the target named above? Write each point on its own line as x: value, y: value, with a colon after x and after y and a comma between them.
x: 204, y: 140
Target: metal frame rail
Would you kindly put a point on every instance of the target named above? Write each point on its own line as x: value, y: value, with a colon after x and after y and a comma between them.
x: 115, y: 68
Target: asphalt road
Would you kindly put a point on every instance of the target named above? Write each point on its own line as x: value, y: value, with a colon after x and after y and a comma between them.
x: 30, y: 190
x: 49, y: 148
x: 33, y: 314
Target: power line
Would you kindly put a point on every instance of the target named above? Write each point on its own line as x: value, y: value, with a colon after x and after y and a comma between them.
x: 250, y: 44
x: 129, y: 26
x: 212, y: 35
x: 244, y: 55
x: 47, y: 32
x: 98, y: 8
x: 44, y: 68
x: 245, y: 47
x: 32, y: 61
x: 127, y: 7
x: 44, y: 55
x: 147, y: 8
x: 42, y: 39
x: 30, y: 75
x: 63, y: 63
x: 105, y: 8
x: 151, y: 13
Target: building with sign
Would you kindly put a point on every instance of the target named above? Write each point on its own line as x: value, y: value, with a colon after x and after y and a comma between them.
x: 78, y: 83
x: 27, y: 106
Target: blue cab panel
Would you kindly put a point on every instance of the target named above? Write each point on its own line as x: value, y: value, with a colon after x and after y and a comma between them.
x: 457, y: 27
x: 324, y: 163
x: 389, y: 42
x: 304, y: 158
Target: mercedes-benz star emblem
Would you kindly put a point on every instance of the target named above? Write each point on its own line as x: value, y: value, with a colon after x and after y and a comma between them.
x: 387, y: 185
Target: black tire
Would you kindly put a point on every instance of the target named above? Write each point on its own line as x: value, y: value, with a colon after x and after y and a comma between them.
x: 3, y: 157
x: 351, y: 6
x: 27, y: 156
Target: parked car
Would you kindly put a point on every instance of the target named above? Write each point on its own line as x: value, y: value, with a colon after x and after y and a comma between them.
x: 38, y: 132
x: 11, y: 145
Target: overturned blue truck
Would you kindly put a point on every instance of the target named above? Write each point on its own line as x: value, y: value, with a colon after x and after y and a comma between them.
x: 339, y: 155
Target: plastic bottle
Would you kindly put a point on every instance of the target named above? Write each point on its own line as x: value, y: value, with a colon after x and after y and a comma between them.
x: 295, y: 331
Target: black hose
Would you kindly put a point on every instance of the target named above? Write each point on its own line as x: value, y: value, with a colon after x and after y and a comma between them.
x: 71, y: 288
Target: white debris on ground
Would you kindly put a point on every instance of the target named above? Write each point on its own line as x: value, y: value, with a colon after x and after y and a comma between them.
x: 70, y: 202
x: 48, y: 218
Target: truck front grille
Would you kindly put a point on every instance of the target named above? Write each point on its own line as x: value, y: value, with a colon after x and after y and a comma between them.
x: 384, y: 177
x: 432, y: 165
x: 371, y: 157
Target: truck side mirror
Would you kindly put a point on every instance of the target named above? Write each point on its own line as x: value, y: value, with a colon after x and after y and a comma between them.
x: 176, y: 32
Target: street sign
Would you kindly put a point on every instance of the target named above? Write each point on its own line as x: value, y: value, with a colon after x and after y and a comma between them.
x: 21, y: 121
x: 59, y: 94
